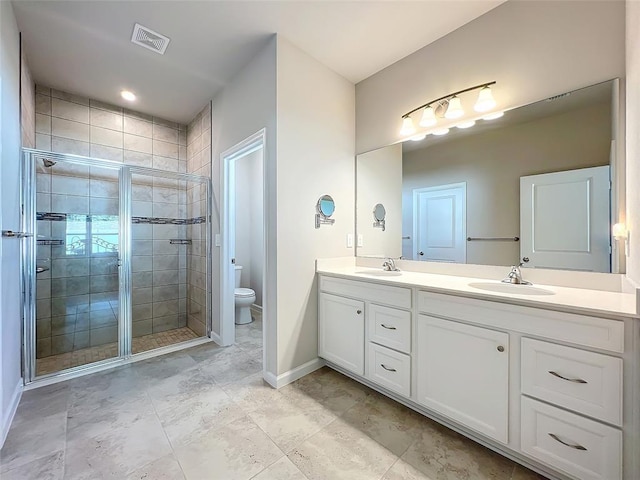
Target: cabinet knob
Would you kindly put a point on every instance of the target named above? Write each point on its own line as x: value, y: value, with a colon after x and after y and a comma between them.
x: 500, y: 348
x: 358, y: 312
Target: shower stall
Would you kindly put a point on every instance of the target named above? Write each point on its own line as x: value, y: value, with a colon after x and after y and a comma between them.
x: 116, y: 262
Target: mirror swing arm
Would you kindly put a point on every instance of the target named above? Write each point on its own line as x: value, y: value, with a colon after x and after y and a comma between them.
x: 324, y: 209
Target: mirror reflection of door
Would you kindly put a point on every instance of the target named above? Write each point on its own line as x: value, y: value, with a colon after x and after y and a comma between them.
x: 439, y: 223
x: 564, y: 220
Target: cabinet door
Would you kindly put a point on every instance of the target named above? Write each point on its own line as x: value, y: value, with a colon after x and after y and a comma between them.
x: 463, y: 373
x: 341, y: 332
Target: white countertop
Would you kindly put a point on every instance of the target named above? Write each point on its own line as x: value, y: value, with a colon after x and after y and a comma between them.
x: 574, y: 300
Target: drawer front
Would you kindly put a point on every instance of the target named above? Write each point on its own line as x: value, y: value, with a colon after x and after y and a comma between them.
x: 390, y: 369
x: 587, y: 382
x: 390, y: 327
x: 569, y: 327
x: 570, y: 443
x: 372, y: 292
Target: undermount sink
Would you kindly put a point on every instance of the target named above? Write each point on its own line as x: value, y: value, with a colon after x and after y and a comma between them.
x: 380, y: 273
x: 511, y: 288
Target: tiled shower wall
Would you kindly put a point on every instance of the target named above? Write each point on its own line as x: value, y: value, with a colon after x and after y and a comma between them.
x: 67, y: 123
x: 198, y: 162
x: 27, y: 105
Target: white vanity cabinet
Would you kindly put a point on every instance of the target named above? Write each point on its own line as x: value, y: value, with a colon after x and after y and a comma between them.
x: 547, y: 388
x: 341, y: 332
x: 463, y: 373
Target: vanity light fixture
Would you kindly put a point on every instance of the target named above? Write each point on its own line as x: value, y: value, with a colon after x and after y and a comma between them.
x: 468, y: 124
x: 441, y: 131
x: 620, y: 233
x: 417, y: 138
x: 407, y: 126
x: 448, y: 106
x: 493, y: 116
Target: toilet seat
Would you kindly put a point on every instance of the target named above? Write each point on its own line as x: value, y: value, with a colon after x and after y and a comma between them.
x: 243, y: 292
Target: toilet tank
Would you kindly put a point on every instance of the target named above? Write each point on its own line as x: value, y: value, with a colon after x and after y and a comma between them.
x: 238, y: 275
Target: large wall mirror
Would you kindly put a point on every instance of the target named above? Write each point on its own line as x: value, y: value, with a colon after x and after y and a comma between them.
x: 530, y: 187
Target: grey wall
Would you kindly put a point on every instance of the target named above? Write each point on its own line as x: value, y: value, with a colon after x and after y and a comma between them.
x: 532, y: 49
x: 492, y: 162
x: 10, y: 308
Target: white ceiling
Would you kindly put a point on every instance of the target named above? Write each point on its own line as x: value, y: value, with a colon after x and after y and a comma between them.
x: 84, y: 46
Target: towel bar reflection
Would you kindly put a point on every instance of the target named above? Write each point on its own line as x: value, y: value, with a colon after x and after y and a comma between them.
x: 493, y: 239
x: 180, y: 241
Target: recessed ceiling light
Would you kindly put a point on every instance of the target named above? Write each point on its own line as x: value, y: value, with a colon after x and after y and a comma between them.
x: 493, y: 116
x: 127, y: 95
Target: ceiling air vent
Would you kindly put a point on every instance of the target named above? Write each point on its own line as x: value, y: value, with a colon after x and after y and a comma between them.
x: 147, y: 38
x: 558, y: 97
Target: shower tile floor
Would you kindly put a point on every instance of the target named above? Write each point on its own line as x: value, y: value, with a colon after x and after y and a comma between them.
x: 84, y: 356
x: 206, y: 413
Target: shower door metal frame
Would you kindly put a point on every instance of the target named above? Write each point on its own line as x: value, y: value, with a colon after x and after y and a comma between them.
x: 30, y: 157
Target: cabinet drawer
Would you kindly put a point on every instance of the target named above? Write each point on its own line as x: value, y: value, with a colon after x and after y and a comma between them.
x: 568, y: 327
x: 372, y: 292
x: 586, y: 382
x: 390, y: 327
x: 390, y: 369
x: 584, y: 448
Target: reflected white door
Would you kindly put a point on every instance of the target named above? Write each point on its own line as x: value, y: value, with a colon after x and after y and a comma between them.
x: 564, y: 220
x: 440, y: 223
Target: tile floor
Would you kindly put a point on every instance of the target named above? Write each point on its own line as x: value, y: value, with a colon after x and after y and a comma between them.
x: 205, y: 413
x: 84, y: 356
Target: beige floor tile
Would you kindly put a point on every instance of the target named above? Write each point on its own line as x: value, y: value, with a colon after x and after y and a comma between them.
x: 165, y: 468
x: 237, y: 451
x: 443, y: 454
x: 401, y: 470
x: 283, y: 469
x: 340, y: 451
x: 50, y: 467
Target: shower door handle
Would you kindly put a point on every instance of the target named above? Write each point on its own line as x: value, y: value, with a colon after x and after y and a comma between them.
x: 12, y: 234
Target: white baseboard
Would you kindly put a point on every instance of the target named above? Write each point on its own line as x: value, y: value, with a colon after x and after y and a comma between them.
x: 216, y: 338
x: 292, y: 375
x: 7, y: 418
x: 257, y: 308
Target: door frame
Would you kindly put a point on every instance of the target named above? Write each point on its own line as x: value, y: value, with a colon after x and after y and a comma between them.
x: 227, y: 333
x: 416, y: 197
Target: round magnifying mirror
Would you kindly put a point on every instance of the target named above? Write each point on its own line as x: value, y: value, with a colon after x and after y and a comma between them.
x: 379, y: 212
x: 326, y: 206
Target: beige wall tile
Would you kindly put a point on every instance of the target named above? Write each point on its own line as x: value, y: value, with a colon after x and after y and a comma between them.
x: 70, y: 97
x: 165, y: 163
x: 105, y: 106
x: 166, y: 123
x: 165, y: 134
x: 104, y: 136
x: 43, y: 142
x: 135, y: 126
x: 105, y: 119
x: 69, y: 110
x: 43, y: 90
x: 107, y: 153
x: 138, y: 115
x: 68, y: 129
x: 43, y: 104
x: 43, y: 124
x: 138, y: 144
x: 66, y: 145
x: 137, y: 158
x: 165, y: 149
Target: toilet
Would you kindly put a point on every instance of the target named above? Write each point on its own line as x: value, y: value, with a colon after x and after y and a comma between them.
x: 245, y: 297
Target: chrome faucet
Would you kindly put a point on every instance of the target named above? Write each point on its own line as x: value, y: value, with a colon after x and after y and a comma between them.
x: 515, y: 276
x: 389, y: 265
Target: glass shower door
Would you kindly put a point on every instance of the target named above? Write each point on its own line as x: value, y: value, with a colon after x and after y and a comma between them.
x: 77, y: 261
x: 168, y: 259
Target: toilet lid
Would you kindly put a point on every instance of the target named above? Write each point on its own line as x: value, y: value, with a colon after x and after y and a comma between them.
x: 244, y: 292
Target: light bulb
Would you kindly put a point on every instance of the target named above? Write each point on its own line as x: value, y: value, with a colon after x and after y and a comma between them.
x: 454, y: 109
x: 428, y: 117
x: 127, y: 95
x: 468, y: 124
x: 619, y: 231
x: 493, y: 116
x: 485, y: 100
x: 407, y: 126
x: 441, y: 131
